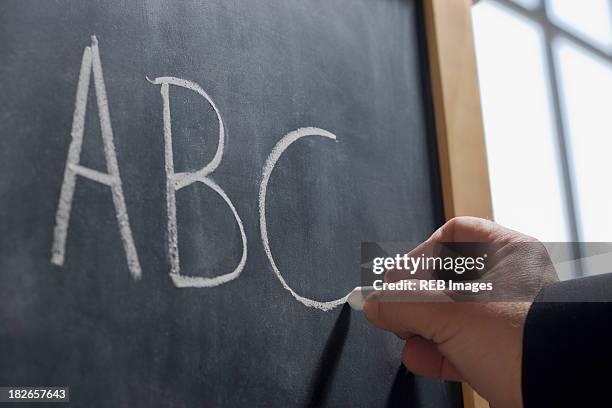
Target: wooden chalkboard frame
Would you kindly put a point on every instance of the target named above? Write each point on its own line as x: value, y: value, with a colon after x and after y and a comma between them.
x: 458, y: 119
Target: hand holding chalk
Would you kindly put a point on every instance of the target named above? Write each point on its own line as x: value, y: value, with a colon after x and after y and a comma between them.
x: 477, y: 342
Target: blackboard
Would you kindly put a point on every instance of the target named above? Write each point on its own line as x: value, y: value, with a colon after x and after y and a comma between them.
x: 101, y: 303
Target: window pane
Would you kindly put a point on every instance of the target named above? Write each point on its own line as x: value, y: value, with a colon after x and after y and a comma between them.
x: 590, y: 19
x: 521, y: 144
x: 586, y: 90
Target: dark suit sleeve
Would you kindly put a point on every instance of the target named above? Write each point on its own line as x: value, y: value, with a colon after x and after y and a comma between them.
x: 567, y: 345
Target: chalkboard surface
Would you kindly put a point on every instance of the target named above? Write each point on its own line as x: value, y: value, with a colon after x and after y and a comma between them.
x: 135, y: 141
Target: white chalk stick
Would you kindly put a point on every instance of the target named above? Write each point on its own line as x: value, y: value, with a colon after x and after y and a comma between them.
x: 356, y: 299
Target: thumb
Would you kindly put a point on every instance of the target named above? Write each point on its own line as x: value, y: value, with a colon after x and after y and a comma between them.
x: 428, y: 314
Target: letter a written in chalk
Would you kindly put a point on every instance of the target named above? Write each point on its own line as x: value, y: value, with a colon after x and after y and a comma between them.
x: 91, y: 62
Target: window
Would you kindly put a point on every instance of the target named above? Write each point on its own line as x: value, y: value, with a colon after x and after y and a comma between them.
x: 545, y: 71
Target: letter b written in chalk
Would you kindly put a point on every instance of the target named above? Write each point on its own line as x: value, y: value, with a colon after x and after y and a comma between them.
x: 176, y: 181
